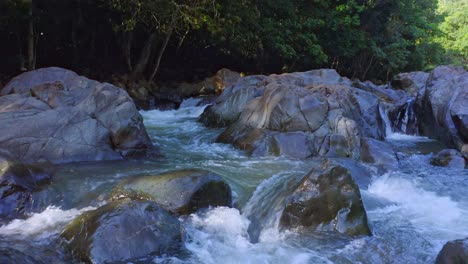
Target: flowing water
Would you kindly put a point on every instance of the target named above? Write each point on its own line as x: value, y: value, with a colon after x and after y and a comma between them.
x: 412, y: 212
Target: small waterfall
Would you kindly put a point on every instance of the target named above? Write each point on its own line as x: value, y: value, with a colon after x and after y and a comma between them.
x: 406, y: 121
x: 267, y: 203
x: 388, y: 125
x: 191, y: 102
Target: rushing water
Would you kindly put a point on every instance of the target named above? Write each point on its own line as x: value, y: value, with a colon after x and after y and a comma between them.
x: 412, y: 212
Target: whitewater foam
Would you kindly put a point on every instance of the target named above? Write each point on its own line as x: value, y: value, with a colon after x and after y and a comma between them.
x: 42, y: 224
x: 436, y: 216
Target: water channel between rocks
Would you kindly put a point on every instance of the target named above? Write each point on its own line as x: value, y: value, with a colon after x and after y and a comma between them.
x: 412, y: 211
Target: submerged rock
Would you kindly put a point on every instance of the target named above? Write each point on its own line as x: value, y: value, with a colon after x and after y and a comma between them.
x: 55, y: 115
x: 448, y: 158
x: 327, y: 199
x: 18, y: 184
x: 454, y: 252
x: 180, y: 192
x: 123, y: 231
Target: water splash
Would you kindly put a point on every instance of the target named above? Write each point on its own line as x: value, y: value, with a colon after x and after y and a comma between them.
x: 43, y: 224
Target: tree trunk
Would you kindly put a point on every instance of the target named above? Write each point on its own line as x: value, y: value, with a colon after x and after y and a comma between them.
x: 161, y: 51
x: 127, y: 49
x: 145, y: 54
x: 31, y: 61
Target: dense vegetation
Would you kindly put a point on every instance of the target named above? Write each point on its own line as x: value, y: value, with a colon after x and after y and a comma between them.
x: 184, y: 39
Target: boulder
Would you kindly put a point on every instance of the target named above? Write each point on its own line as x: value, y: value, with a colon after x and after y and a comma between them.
x: 441, y: 107
x: 379, y: 154
x: 448, y: 158
x: 454, y: 252
x: 53, y: 114
x: 235, y: 98
x: 327, y: 199
x: 180, y: 192
x: 123, y: 231
x: 303, y: 121
x: 228, y: 106
x: 410, y: 82
x: 18, y: 184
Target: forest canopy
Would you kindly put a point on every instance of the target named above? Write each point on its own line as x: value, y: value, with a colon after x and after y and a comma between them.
x: 185, y: 39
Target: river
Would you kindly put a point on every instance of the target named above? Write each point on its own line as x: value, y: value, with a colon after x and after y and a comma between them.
x: 412, y: 212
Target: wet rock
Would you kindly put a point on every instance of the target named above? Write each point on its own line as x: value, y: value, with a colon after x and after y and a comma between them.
x: 303, y: 121
x: 441, y: 107
x: 448, y: 158
x: 228, y: 106
x: 180, y: 192
x: 123, y: 231
x: 380, y: 154
x: 327, y: 199
x: 55, y: 115
x: 18, y: 184
x: 454, y: 252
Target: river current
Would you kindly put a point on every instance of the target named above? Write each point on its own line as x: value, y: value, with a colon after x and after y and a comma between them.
x: 412, y: 211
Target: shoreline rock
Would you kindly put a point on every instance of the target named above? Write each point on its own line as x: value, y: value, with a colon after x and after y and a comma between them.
x: 54, y: 115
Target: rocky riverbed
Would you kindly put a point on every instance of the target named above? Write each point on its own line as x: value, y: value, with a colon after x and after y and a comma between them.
x: 304, y: 167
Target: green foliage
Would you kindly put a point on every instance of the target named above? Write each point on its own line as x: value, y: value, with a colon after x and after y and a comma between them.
x: 455, y: 30
x: 366, y: 39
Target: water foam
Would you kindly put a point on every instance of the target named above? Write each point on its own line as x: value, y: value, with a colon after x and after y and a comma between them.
x: 220, y: 236
x: 430, y: 213
x: 42, y: 224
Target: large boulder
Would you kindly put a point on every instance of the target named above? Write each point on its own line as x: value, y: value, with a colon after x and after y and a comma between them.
x: 442, y: 108
x: 55, y: 115
x: 123, y: 231
x: 454, y: 252
x: 234, y: 99
x: 180, y: 192
x: 18, y: 184
x: 300, y: 117
x: 327, y: 199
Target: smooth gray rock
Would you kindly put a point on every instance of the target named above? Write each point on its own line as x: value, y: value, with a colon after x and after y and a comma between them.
x: 123, y: 231
x: 180, y: 192
x: 53, y: 114
x: 304, y: 121
x: 442, y: 108
x: 380, y: 154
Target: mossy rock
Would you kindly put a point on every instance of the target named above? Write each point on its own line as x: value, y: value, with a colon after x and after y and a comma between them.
x: 122, y: 231
x: 327, y: 199
x: 180, y: 192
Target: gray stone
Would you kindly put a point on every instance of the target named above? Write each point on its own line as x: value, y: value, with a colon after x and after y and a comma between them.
x: 123, y: 231
x: 327, y: 199
x: 180, y: 192
x: 53, y: 114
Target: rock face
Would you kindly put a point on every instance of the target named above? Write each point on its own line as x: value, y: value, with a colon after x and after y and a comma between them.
x: 441, y: 104
x: 123, y: 231
x: 55, y: 115
x: 327, y: 199
x: 454, y: 252
x: 18, y: 183
x: 180, y: 192
x: 448, y: 158
x: 314, y: 113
